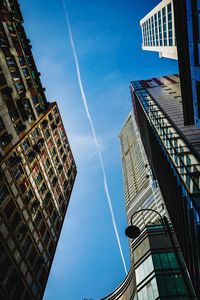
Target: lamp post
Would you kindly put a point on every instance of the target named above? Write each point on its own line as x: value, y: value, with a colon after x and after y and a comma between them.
x: 133, y: 232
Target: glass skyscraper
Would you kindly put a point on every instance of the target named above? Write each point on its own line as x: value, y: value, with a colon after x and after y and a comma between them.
x: 173, y: 151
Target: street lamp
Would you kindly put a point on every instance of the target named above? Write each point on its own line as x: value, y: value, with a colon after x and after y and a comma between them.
x: 133, y: 232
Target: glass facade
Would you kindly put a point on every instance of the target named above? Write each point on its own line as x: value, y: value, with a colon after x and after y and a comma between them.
x: 149, y: 291
x: 158, y: 275
x: 186, y: 164
x: 171, y: 146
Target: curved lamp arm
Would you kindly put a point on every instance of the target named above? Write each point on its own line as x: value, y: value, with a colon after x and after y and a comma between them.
x: 148, y: 209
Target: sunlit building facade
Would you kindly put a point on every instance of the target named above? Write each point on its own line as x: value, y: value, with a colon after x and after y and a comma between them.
x: 173, y: 151
x: 141, y: 190
x: 37, y: 169
x: 158, y: 30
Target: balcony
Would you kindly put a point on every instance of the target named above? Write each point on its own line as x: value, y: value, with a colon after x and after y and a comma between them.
x: 11, y: 29
x: 44, y: 124
x: 60, y: 168
x: 38, y: 264
x: 7, y: 91
x: 20, y: 127
x: 54, y: 181
x: 40, y: 143
x: 2, y: 126
x: 47, y: 198
x: 3, y: 82
x: 23, y: 107
x: 3, y: 43
x: 22, y: 232
x: 53, y: 126
x: 14, y: 160
x: 14, y: 116
x: 19, y: 86
x: 32, y: 155
x: 10, y: 62
x: 39, y: 109
x: 65, y: 184
x: 29, y: 196
x: 58, y: 120
x: 5, y: 140
x: 36, y: 149
x: 35, y: 206
x: 64, y: 158
x: 1, y: 175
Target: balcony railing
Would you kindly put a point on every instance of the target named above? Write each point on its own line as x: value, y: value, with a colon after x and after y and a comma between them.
x: 184, y: 161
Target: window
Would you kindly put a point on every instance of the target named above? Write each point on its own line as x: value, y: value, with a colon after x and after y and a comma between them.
x: 35, y: 206
x: 169, y: 14
x: 144, y: 269
x: 10, y: 61
x: 46, y: 238
x: 5, y: 140
x: 47, y: 163
x: 38, y: 178
x: 43, y: 188
x: 64, y: 157
x: 2, y: 80
x: 53, y: 151
x: 25, y: 72
x: 149, y: 291
x: 21, y: 61
x: 165, y: 261
x: 38, y: 218
x: 16, y: 220
x: 198, y: 96
x: 58, y: 142
x: 35, y: 100
x: 61, y: 150
x: 3, y: 193
x: 27, y: 244
x: 24, y: 185
x: 50, y: 173
x: 19, y: 87
x: 171, y: 285
x: 18, y: 172
x: 36, y: 133
x: 57, y: 160
x: 32, y: 256
x: 26, y: 144
x: 10, y: 27
x: 28, y: 197
x: 39, y: 109
x: 47, y: 134
x: 50, y: 117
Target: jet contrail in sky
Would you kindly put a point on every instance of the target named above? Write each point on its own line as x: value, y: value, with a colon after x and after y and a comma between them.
x: 93, y: 132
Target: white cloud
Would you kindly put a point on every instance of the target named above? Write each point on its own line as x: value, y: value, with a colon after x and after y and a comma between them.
x: 84, y: 147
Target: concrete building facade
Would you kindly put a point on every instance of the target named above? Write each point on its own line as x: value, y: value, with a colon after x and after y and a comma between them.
x: 37, y: 168
x: 141, y: 190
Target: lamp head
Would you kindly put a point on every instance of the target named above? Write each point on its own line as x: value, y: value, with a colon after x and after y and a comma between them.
x: 132, y: 232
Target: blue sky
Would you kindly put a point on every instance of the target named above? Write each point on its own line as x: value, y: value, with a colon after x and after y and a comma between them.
x: 108, y: 41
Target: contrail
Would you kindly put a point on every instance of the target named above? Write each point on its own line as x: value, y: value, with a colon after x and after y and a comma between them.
x: 93, y: 132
